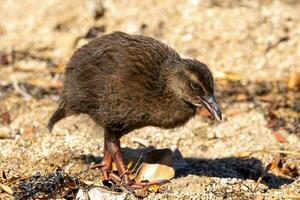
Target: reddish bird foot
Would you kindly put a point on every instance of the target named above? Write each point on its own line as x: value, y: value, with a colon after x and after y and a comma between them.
x: 112, y: 152
x: 126, y: 182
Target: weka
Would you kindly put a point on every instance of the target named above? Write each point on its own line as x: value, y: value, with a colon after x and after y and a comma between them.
x: 124, y: 82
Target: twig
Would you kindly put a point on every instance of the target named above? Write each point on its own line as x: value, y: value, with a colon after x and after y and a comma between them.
x: 20, y: 91
x: 6, y: 189
x: 273, y: 164
x: 124, y: 172
x: 136, y: 164
x: 140, y: 141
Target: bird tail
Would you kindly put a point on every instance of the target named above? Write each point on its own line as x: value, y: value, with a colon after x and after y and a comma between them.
x: 59, y: 114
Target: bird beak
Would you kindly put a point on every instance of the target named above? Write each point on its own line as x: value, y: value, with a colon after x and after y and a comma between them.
x: 209, y: 102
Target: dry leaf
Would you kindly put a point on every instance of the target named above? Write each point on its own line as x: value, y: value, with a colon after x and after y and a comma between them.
x: 271, y: 166
x: 6, y: 189
x: 154, y: 172
x: 157, y: 166
x: 293, y: 80
x: 279, y: 137
x: 154, y: 188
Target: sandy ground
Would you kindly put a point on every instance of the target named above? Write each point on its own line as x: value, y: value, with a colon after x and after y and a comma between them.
x: 244, y: 41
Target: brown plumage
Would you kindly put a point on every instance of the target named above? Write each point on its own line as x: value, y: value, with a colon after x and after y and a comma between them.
x: 124, y: 82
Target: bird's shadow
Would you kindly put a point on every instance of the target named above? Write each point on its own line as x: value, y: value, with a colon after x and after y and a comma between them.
x: 227, y: 167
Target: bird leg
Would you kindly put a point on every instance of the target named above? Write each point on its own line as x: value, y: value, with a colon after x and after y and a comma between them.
x: 115, y: 150
x: 123, y: 179
x: 106, y: 165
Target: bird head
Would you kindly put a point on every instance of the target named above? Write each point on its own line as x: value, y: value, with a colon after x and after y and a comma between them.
x: 194, y: 83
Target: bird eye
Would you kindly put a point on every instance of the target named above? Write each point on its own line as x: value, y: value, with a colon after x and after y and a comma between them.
x: 195, y: 86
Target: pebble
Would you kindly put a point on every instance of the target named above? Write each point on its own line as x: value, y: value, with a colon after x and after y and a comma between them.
x: 5, y: 133
x: 244, y: 188
x: 223, y: 181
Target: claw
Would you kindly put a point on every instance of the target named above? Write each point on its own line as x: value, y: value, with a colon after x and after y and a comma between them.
x: 142, y: 185
x: 112, y: 152
x: 96, y: 166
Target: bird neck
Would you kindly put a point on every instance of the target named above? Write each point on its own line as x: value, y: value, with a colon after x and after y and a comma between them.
x: 173, y: 83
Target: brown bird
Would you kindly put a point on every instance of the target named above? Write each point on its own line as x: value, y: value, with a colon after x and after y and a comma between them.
x: 124, y: 82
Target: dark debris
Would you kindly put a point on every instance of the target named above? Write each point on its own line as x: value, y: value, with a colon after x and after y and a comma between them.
x: 270, y: 97
x: 57, y: 184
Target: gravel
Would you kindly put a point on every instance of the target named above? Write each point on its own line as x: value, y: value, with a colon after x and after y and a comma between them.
x: 254, y: 40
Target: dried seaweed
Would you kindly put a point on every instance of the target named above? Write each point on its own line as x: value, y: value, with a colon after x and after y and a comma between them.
x: 57, y: 184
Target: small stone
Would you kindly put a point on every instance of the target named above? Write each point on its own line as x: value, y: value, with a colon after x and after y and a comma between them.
x: 224, y: 181
x: 211, y: 135
x: 244, y: 188
x: 101, y: 193
x: 82, y: 195
x: 5, y: 133
x: 233, y: 180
